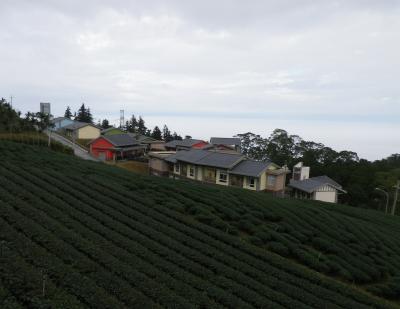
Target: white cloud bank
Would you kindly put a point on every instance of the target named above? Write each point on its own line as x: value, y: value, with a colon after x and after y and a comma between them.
x: 327, y: 70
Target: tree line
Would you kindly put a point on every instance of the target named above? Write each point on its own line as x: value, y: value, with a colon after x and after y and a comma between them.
x: 359, y: 177
x: 133, y: 125
x: 12, y: 121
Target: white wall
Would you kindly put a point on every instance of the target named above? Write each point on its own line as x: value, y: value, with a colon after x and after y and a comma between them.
x: 326, y: 196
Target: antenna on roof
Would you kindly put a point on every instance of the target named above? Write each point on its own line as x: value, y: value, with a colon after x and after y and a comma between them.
x: 121, y: 118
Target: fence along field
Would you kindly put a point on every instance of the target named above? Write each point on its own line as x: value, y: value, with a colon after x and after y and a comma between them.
x: 83, y: 234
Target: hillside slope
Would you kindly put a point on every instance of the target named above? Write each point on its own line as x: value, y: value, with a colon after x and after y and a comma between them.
x: 76, y: 234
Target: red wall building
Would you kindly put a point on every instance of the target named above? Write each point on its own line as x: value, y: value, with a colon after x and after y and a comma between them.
x: 116, y: 147
x: 101, y: 148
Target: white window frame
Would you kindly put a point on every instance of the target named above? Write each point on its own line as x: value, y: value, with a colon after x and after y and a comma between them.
x: 191, y: 171
x: 177, y: 168
x: 223, y: 174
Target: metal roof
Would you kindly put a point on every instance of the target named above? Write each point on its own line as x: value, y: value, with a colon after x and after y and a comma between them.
x: 187, y: 142
x: 121, y: 140
x: 312, y: 184
x: 229, y: 141
x: 206, y: 158
x: 250, y: 168
x: 77, y: 125
x: 110, y: 129
x: 59, y: 119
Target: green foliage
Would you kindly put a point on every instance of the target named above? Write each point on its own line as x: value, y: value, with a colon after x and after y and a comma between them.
x: 156, y: 133
x: 84, y: 114
x: 11, y: 121
x: 107, y: 238
x: 358, y: 176
x: 68, y: 113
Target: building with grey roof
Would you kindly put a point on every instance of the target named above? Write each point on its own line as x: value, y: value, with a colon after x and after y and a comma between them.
x: 60, y: 123
x: 116, y: 147
x: 229, y: 169
x: 226, y: 142
x: 321, y: 188
x: 82, y: 130
x: 185, y: 144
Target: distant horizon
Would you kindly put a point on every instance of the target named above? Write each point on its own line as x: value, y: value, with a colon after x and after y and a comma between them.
x: 179, y: 123
x: 326, y: 71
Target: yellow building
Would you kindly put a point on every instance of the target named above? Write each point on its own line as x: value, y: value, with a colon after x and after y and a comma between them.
x: 82, y: 130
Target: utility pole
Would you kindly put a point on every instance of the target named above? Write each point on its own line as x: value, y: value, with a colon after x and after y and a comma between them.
x: 396, y: 195
x: 11, y: 98
x: 387, y: 198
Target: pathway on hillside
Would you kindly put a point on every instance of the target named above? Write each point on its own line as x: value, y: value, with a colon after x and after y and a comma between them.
x: 78, y: 150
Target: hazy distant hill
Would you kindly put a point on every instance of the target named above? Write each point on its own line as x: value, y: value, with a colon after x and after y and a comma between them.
x: 82, y: 234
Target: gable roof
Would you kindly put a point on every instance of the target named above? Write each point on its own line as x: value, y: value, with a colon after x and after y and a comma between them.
x: 312, y: 184
x: 110, y: 129
x: 229, y: 141
x: 77, y: 125
x: 187, y: 142
x: 250, y: 168
x: 206, y: 158
x: 119, y: 140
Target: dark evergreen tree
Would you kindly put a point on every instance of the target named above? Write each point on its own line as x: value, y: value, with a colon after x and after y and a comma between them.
x: 81, y: 114
x: 133, y: 124
x: 156, y: 134
x: 148, y: 132
x: 89, y: 116
x: 166, y: 134
x: 84, y: 114
x: 141, y: 127
x: 68, y: 113
x: 105, y: 124
x: 177, y: 137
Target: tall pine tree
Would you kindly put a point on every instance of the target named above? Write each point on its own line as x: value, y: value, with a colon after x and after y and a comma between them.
x: 68, y: 113
x: 166, y: 134
x: 84, y: 114
x: 141, y: 126
x: 156, y: 134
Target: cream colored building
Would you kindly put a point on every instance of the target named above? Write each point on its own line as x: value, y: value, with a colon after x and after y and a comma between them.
x: 221, y: 168
x: 82, y: 130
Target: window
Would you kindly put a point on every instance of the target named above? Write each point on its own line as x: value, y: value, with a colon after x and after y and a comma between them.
x: 252, y: 182
x: 271, y: 180
x: 177, y: 168
x: 191, y: 171
x: 223, y: 177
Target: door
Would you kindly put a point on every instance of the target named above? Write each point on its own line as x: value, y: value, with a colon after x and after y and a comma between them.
x: 102, y: 156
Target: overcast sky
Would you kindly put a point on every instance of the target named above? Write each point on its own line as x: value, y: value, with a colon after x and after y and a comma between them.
x: 328, y: 71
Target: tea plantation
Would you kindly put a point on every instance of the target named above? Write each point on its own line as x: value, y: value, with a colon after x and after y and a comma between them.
x: 78, y: 234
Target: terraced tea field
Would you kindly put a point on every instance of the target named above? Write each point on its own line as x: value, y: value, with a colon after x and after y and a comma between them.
x: 78, y: 234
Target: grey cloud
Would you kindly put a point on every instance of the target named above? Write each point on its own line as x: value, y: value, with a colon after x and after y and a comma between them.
x: 329, y: 58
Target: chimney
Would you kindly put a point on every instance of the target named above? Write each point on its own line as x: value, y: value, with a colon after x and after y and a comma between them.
x: 300, y: 172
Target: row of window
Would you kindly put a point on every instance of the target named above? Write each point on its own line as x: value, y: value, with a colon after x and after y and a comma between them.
x: 223, y: 177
